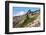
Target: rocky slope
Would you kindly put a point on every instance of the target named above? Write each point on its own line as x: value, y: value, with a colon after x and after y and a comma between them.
x: 27, y: 20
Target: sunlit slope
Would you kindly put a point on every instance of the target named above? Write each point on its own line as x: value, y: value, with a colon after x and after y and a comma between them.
x: 29, y: 19
x: 26, y: 21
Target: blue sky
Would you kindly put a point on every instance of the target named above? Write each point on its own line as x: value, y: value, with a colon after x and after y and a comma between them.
x: 17, y: 10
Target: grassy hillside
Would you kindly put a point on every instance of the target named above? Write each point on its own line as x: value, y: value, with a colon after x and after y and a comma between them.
x: 25, y: 20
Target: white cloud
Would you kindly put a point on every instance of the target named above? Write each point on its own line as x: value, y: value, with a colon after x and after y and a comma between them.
x: 20, y: 13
